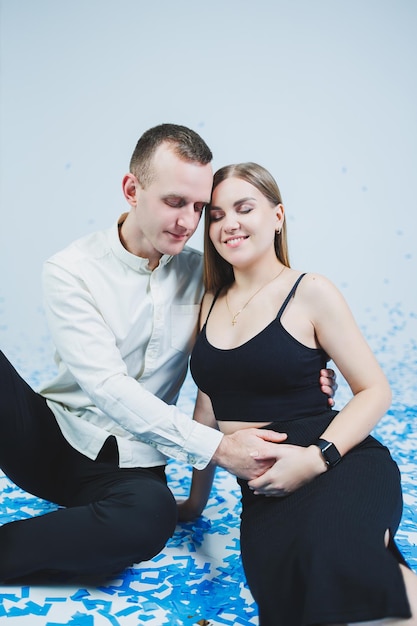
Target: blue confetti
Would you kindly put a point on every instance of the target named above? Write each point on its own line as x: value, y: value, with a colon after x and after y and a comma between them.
x: 199, y: 575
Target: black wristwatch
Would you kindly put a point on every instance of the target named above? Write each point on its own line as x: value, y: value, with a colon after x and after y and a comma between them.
x: 329, y: 451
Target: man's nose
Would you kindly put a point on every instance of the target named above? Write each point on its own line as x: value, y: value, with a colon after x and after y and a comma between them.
x: 188, y: 217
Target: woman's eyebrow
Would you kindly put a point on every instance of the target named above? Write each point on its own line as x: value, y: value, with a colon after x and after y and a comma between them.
x: 235, y: 204
x: 243, y: 200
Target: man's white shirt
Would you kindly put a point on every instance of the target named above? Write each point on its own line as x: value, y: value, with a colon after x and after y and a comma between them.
x: 123, y: 335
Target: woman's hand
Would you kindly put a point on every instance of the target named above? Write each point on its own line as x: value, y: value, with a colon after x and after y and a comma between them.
x: 193, y: 506
x: 187, y: 511
x: 294, y: 467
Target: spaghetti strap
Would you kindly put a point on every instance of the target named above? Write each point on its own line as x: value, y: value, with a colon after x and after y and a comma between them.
x: 216, y: 295
x: 288, y: 298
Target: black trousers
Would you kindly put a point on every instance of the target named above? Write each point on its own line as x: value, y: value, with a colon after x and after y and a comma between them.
x: 110, y: 517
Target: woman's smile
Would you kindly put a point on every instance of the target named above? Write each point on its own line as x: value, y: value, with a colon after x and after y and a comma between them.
x: 234, y: 242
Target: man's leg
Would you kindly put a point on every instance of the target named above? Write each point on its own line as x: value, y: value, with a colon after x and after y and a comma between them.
x: 31, y: 443
x: 114, y: 516
x: 130, y: 518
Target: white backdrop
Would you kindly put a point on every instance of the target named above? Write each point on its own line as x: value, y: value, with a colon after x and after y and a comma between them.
x: 322, y: 92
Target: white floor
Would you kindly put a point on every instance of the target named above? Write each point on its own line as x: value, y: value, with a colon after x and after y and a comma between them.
x: 197, y: 578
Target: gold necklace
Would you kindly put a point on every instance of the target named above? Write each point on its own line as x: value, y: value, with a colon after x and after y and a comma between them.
x: 235, y: 315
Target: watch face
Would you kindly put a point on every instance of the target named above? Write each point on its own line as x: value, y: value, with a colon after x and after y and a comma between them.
x: 330, y: 452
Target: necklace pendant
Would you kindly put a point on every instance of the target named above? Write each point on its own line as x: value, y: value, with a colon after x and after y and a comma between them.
x: 234, y: 317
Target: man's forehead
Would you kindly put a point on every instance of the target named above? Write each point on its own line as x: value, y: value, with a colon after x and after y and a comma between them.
x: 166, y: 156
x: 178, y: 177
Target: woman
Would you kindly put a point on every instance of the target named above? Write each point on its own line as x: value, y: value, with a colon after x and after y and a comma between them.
x: 321, y: 550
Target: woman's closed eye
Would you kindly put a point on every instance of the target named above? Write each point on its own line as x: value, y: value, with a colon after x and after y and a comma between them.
x: 244, y: 208
x: 217, y: 214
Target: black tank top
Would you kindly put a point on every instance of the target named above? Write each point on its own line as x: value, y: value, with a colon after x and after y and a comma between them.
x: 270, y: 378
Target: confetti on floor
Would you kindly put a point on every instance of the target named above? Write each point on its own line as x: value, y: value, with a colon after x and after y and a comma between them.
x: 198, y: 578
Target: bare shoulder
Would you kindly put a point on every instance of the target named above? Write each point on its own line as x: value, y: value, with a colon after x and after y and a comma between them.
x: 313, y: 283
x: 317, y: 291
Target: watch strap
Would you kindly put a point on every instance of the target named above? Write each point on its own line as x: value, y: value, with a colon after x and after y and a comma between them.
x: 330, y: 453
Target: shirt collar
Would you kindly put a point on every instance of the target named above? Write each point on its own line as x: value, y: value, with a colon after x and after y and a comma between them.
x: 137, y: 263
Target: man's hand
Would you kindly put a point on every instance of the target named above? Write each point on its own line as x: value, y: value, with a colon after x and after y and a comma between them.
x: 328, y: 384
x: 294, y: 466
x: 249, y: 452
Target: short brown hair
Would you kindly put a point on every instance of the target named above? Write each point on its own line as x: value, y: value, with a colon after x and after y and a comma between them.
x: 186, y: 144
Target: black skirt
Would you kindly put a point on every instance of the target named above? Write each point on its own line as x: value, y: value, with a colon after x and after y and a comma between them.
x: 318, y: 556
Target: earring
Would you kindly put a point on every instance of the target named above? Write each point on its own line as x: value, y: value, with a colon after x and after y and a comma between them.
x: 278, y: 231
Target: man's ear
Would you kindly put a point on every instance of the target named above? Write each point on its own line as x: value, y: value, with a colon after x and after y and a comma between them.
x: 129, y: 185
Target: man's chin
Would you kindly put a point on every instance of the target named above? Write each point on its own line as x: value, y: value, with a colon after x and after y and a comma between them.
x: 174, y: 246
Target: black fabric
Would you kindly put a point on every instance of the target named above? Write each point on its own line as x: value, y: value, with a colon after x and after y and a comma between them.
x: 111, y: 517
x: 279, y: 378
x: 316, y: 556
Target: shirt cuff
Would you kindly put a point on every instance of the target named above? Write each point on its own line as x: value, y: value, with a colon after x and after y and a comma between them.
x: 201, y: 445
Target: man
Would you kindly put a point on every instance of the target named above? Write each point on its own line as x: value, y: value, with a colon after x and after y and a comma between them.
x: 122, y: 306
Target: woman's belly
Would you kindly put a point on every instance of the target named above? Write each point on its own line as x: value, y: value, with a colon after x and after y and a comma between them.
x: 228, y: 428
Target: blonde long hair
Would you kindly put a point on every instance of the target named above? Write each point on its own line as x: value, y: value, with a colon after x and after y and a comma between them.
x: 217, y: 272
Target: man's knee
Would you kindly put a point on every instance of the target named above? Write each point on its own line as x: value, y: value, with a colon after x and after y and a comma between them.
x: 146, y: 517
